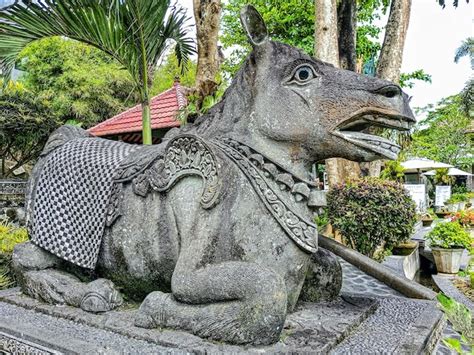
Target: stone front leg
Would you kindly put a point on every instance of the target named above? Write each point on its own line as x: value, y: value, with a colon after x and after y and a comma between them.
x: 39, y: 275
x: 234, y: 302
x: 323, y: 278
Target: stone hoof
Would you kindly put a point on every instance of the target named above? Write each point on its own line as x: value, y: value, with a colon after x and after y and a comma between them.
x: 151, y: 313
x: 102, y: 296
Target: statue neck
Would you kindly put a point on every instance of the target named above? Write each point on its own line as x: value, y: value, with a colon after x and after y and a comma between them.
x: 290, y: 156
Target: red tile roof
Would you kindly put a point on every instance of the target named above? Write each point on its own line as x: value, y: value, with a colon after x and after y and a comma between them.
x: 163, y: 107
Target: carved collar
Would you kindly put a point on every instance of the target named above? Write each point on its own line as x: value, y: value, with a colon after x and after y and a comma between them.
x: 266, y: 177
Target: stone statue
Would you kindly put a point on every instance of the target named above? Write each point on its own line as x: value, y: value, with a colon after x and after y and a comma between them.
x: 213, y: 228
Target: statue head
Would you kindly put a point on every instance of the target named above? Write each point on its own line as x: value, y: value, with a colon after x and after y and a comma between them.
x: 282, y: 94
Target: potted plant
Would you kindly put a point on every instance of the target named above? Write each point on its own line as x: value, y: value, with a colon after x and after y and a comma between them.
x: 463, y: 200
x: 427, y: 218
x: 372, y: 215
x: 470, y: 197
x: 456, y: 202
x: 448, y: 241
x: 466, y: 219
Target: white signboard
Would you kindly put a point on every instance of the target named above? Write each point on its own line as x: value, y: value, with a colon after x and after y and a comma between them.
x: 443, y: 193
x: 418, y: 194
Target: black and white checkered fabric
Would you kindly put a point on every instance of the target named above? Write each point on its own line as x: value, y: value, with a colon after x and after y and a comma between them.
x: 71, y: 198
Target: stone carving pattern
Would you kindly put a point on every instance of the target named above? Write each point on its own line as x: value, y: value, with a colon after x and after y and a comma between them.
x: 302, y: 232
x: 11, y: 345
x: 183, y: 156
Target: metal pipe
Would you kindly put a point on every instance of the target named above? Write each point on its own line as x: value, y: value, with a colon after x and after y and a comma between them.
x: 382, y: 273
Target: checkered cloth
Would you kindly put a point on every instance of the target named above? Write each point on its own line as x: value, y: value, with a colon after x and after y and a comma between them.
x: 72, y: 193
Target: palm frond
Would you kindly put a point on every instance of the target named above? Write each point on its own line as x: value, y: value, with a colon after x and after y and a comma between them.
x: 465, y: 49
x: 133, y: 32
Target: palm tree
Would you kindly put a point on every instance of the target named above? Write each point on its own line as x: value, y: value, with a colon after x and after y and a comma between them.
x: 465, y: 49
x: 133, y: 32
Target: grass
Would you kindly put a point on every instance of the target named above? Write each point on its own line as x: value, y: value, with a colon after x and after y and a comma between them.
x: 9, y: 237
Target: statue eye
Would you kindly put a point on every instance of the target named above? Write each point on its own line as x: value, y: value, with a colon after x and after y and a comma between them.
x: 303, y: 74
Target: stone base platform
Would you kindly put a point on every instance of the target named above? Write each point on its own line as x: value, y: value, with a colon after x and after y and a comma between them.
x: 354, y: 325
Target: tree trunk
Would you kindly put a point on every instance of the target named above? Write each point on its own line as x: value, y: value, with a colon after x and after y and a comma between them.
x: 326, y: 48
x: 146, y: 122
x: 207, y: 16
x: 391, y: 55
x: 346, y: 23
x: 325, y: 34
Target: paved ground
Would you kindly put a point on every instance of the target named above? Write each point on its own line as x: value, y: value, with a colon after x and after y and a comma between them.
x: 356, y: 282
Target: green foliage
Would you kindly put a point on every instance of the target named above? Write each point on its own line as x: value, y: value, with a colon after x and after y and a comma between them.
x: 393, y: 170
x: 169, y: 71
x: 288, y: 21
x: 406, y: 78
x: 460, y: 189
x: 467, y: 98
x: 449, y: 235
x: 461, y: 319
x: 25, y: 125
x: 455, y: 3
x: 9, y: 237
x: 466, y: 49
x: 191, y: 111
x: 322, y: 220
x: 371, y: 213
x: 458, y: 197
x: 76, y: 81
x: 441, y: 177
x: 133, y: 33
x: 368, y: 13
x: 441, y: 135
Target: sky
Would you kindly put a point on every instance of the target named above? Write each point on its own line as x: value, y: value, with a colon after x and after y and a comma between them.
x: 433, y: 35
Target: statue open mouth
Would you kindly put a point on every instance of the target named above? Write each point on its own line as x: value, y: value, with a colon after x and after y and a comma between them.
x: 355, y: 130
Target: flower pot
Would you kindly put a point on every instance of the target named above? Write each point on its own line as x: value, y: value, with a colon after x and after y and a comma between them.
x: 452, y: 207
x: 447, y: 261
x: 427, y: 222
x: 461, y: 206
x: 470, y: 230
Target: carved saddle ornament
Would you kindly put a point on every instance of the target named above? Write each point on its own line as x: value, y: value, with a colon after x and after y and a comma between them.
x: 153, y: 169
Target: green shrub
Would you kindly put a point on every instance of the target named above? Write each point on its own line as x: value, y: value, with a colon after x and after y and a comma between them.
x: 459, y: 189
x: 393, y: 171
x: 449, y: 235
x: 9, y: 237
x: 462, y: 321
x: 371, y: 213
x: 458, y: 197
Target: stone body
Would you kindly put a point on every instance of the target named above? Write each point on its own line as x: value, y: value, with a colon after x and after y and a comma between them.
x: 213, y: 227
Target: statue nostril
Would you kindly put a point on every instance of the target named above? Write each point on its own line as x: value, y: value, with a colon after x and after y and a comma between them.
x: 389, y: 91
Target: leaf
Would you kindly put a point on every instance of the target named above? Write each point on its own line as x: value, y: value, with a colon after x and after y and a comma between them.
x: 454, y: 344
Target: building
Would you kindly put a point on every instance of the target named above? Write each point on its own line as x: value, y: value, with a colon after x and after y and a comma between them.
x: 127, y: 126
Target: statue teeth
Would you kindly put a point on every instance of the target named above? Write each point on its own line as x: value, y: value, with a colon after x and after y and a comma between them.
x: 257, y: 158
x: 385, y: 145
x: 285, y: 181
x: 301, y: 191
x: 270, y: 170
x: 245, y: 150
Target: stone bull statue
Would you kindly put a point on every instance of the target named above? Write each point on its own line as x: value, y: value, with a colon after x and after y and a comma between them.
x: 213, y: 227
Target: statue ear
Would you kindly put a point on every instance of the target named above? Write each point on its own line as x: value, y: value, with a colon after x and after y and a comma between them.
x: 253, y: 25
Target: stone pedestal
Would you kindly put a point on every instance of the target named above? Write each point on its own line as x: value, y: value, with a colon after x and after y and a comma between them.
x: 346, y: 325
